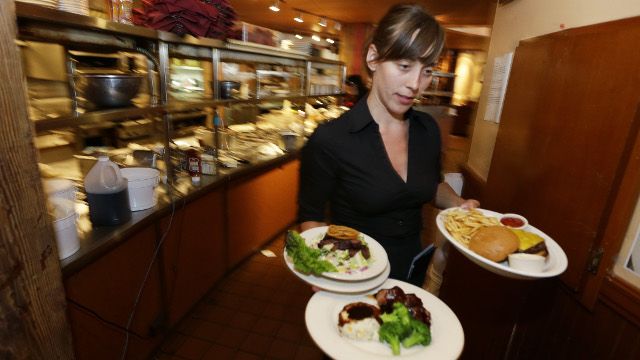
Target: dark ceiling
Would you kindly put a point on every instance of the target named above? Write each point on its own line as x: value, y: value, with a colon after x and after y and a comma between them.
x: 448, y: 12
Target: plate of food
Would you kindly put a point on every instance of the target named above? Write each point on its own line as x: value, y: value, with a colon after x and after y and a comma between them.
x: 335, y: 252
x: 397, y: 320
x: 505, y: 244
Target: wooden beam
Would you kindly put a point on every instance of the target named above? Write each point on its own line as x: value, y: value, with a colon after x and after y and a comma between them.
x: 33, y: 323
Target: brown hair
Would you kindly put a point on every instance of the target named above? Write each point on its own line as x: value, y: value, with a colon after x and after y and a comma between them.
x: 407, y: 32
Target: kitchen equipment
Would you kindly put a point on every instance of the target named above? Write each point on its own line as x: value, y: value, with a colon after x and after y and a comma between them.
x: 107, y: 194
x: 108, y: 90
x: 64, y: 225
x: 228, y: 89
x: 141, y: 185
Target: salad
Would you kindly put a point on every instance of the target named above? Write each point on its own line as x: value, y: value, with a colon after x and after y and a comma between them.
x: 342, y: 249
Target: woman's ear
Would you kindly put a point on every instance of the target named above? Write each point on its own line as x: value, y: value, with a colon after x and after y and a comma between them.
x: 372, y: 58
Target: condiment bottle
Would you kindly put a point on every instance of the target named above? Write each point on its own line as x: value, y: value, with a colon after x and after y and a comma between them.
x: 107, y: 194
x: 194, y: 165
x: 208, y: 164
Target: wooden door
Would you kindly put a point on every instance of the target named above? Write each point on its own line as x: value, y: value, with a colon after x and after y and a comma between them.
x: 562, y: 155
x: 567, y: 125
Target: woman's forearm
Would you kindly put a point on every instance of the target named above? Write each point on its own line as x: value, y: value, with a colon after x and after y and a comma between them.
x: 446, y: 198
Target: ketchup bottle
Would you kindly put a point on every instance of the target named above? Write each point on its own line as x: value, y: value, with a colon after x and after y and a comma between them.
x: 194, y: 165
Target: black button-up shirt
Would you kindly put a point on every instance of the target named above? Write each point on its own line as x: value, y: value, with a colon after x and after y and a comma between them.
x: 345, y: 164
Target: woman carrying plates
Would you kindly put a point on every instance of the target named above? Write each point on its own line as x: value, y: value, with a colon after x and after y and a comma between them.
x: 379, y: 163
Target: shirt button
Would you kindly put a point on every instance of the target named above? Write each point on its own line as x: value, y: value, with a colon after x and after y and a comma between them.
x: 400, y: 223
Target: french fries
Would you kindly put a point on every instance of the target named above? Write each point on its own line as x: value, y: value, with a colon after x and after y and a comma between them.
x: 463, y: 224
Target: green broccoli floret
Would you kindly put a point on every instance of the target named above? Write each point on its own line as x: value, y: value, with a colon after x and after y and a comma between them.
x: 420, y: 334
x: 399, y: 314
x: 391, y: 332
x: 400, y: 327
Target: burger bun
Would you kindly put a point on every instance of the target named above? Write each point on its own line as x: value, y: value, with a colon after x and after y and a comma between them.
x: 494, y: 243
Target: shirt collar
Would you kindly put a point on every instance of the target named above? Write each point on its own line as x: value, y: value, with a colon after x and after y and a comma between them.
x: 361, y: 116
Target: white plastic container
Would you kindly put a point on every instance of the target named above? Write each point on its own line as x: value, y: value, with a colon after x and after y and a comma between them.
x: 527, y: 262
x: 60, y: 188
x: 141, y: 184
x: 64, y: 225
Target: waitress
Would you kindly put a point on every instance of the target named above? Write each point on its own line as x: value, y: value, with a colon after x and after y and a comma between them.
x: 379, y: 163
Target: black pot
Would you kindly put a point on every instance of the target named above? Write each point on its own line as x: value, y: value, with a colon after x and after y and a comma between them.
x: 228, y: 89
x: 109, y: 90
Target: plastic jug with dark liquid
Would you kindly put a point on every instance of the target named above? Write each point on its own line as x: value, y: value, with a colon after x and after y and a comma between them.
x: 107, y: 194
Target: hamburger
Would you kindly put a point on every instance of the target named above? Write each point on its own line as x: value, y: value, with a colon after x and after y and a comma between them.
x: 494, y: 242
x: 530, y: 243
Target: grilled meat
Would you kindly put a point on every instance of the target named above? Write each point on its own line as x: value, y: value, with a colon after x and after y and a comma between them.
x: 352, y: 245
x: 386, y: 298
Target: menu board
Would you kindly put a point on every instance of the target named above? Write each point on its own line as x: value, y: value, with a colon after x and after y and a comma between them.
x: 498, y: 87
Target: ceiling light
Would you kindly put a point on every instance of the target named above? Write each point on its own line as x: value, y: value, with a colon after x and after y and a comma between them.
x: 276, y: 6
x: 316, y: 37
x: 322, y: 22
x: 330, y: 41
x: 299, y: 18
x: 337, y: 26
x: 298, y: 36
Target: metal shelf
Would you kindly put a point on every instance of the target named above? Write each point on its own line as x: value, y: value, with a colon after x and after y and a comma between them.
x: 49, y: 25
x: 95, y: 117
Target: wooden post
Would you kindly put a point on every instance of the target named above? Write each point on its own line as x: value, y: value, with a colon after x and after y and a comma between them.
x: 33, y: 322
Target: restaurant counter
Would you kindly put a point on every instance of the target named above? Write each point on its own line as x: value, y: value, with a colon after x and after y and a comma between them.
x: 99, y: 240
x: 142, y: 277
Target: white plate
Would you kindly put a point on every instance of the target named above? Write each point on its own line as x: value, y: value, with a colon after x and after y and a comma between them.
x: 321, y: 317
x: 337, y: 286
x: 377, y: 262
x: 555, y: 265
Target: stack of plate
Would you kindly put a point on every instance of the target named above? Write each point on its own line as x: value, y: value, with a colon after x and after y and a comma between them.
x: 80, y: 7
x: 46, y: 3
x: 355, y: 282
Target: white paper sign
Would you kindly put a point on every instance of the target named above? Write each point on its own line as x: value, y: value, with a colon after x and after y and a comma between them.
x: 498, y: 87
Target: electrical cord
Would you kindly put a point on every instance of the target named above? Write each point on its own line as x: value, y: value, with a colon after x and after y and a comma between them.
x: 156, y: 251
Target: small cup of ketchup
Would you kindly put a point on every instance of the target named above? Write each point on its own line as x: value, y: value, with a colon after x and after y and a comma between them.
x: 514, y: 221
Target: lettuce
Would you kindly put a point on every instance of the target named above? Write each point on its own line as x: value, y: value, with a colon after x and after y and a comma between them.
x: 306, y: 259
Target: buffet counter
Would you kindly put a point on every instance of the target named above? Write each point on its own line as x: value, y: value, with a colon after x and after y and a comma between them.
x: 141, y: 278
x: 100, y: 240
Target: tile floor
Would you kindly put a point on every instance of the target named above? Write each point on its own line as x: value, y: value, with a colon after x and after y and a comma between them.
x: 255, y: 312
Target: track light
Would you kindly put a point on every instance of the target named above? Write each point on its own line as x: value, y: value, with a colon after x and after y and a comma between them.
x: 315, y: 37
x: 299, y: 18
x: 322, y: 22
x: 276, y: 6
x: 337, y: 26
x: 298, y: 36
x: 330, y: 41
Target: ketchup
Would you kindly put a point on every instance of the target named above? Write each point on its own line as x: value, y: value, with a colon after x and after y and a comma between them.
x: 194, y: 165
x: 512, y: 222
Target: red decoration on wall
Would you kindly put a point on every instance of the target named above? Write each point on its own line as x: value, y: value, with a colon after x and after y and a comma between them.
x: 208, y: 18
